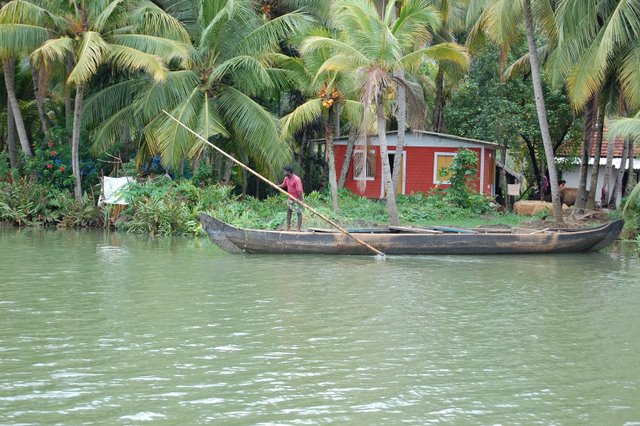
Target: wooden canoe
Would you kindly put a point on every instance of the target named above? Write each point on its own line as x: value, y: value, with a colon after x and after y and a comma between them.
x: 238, y: 240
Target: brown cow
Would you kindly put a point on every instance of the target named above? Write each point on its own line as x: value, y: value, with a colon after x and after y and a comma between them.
x: 568, y: 195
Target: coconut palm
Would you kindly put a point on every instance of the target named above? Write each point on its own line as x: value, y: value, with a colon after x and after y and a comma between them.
x: 368, y: 48
x: 329, y: 95
x: 214, y: 93
x: 627, y: 127
x: 500, y: 20
x: 131, y: 35
x: 598, y: 53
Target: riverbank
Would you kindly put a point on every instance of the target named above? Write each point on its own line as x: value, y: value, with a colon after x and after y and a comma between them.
x: 166, y: 207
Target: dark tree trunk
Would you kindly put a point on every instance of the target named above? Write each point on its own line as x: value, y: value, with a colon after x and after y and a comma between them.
x: 39, y: 94
x: 542, y: 114
x: 590, y: 115
x: 331, y: 160
x: 68, y: 107
x: 390, y: 193
x: 534, y: 161
x: 631, y: 181
x: 503, y: 179
x: 591, y: 199
x: 616, y: 192
x: 11, y: 139
x: 228, y: 168
x: 353, y: 132
x: 402, y: 123
x: 9, y: 66
x: 437, y: 123
x: 75, y: 142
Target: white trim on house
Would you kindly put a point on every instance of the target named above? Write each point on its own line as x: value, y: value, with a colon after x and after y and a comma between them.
x: 367, y: 178
x: 404, y: 174
x: 436, y: 178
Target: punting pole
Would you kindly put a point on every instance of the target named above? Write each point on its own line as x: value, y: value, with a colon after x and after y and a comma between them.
x: 259, y: 176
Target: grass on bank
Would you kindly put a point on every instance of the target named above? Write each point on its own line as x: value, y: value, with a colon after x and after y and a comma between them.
x: 161, y: 206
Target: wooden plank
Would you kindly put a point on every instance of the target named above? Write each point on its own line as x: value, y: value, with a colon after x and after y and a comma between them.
x: 493, y: 230
x: 455, y: 230
x: 414, y: 230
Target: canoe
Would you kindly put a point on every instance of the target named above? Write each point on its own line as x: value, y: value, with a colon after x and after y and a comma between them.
x: 238, y: 240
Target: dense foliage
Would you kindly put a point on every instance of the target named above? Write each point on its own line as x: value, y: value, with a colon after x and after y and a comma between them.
x: 85, y: 86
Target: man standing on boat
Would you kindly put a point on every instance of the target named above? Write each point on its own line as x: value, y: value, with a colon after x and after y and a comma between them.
x: 293, y: 185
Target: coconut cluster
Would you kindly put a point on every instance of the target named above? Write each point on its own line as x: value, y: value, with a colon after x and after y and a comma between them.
x: 329, y: 97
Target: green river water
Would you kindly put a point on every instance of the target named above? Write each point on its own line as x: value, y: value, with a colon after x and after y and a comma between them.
x: 119, y: 329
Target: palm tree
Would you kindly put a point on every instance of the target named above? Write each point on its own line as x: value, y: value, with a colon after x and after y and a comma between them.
x: 214, y: 93
x: 627, y: 127
x: 330, y: 95
x: 500, y: 19
x: 597, y: 54
x: 131, y: 35
x: 367, y: 48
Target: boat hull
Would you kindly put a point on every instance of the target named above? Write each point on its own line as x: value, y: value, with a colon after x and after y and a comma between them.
x: 237, y: 240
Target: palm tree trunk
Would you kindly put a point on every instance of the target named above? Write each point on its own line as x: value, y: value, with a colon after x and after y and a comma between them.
x: 591, y: 199
x: 387, y: 182
x: 402, y: 122
x: 631, y: 181
x: 503, y: 178
x: 11, y: 138
x: 35, y: 76
x: 228, y: 169
x: 590, y: 114
x: 351, y: 142
x: 607, y: 174
x: 75, y: 142
x: 9, y: 66
x: 68, y: 108
x: 331, y: 158
x: 616, y: 193
x: 437, y: 122
x: 542, y: 114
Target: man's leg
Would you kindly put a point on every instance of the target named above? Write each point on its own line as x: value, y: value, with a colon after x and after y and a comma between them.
x: 299, y: 221
x: 289, y: 220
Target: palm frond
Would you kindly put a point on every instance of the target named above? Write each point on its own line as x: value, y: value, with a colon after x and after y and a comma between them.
x: 452, y: 52
x: 316, y: 42
x: 253, y: 73
x: 27, y: 13
x: 272, y: 32
x: 254, y: 129
x: 304, y: 115
x: 110, y: 100
x: 20, y: 39
x: 112, y: 9
x: 92, y: 53
x: 622, y: 28
x: 54, y: 50
x: 415, y: 19
x: 587, y: 76
x: 338, y: 64
x: 152, y: 20
x: 165, y: 48
x: 629, y: 75
x: 132, y: 60
x: 167, y: 95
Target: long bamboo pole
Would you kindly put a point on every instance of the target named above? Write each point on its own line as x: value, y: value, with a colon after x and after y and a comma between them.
x: 259, y: 176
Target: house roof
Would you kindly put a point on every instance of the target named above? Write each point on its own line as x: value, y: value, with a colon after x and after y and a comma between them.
x: 432, y: 134
x: 618, y: 144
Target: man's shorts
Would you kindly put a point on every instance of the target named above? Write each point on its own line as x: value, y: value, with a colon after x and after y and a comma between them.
x: 294, y: 207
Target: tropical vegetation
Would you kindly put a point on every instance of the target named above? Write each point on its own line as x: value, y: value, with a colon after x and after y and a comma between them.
x: 101, y: 87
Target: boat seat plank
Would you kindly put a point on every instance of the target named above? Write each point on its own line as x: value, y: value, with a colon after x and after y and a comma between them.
x: 454, y: 230
x: 414, y: 230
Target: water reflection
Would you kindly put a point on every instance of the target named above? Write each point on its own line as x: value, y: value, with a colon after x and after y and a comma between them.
x: 109, y: 328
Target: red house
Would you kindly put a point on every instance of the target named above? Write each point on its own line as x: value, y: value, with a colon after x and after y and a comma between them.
x: 425, y: 154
